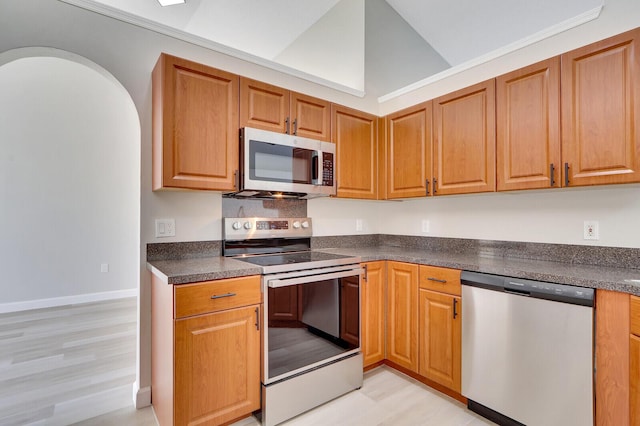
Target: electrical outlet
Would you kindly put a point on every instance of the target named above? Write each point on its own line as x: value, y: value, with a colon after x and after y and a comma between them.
x: 425, y: 226
x: 165, y: 228
x: 591, y: 231
x: 358, y: 224
x: 104, y: 267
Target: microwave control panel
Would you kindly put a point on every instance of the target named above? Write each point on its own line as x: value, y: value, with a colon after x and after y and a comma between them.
x: 327, y: 169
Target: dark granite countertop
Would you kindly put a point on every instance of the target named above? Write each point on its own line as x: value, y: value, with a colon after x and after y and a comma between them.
x: 189, y: 270
x: 619, y: 279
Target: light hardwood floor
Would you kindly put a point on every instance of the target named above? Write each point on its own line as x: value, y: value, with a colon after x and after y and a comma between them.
x: 64, y: 365
x: 76, y: 365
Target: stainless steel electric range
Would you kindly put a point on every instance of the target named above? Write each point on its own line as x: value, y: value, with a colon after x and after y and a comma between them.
x: 311, y: 314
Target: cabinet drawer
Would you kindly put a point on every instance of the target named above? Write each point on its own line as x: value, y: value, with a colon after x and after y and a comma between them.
x: 634, y: 311
x: 211, y: 296
x: 444, y: 280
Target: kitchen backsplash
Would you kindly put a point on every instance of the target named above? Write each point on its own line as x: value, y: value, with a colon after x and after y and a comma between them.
x: 236, y: 207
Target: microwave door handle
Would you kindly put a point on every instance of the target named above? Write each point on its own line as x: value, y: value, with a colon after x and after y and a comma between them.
x: 313, y: 278
x: 315, y: 167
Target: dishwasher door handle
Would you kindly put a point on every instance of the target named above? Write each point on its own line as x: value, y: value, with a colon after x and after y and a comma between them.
x: 517, y: 292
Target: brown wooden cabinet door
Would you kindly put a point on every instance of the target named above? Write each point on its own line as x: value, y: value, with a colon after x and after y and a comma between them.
x: 283, y: 304
x: 310, y: 117
x: 268, y: 107
x: 634, y: 379
x: 402, y: 314
x: 350, y: 310
x: 601, y: 111
x: 611, y: 358
x: 264, y: 106
x: 409, y: 151
x: 465, y: 140
x: 195, y: 125
x: 372, y: 313
x: 217, y: 366
x: 355, y: 136
x: 528, y: 127
x: 440, y: 338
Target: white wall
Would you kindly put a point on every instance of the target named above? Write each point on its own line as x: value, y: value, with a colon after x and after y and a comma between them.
x: 69, y: 181
x: 549, y: 216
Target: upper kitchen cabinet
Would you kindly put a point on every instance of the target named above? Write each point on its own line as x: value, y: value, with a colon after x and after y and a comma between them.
x: 408, y: 152
x: 195, y: 125
x: 355, y: 136
x: 269, y: 107
x: 601, y: 112
x: 464, y: 140
x: 528, y: 127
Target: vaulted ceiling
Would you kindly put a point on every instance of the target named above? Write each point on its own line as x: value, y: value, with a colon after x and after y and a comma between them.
x: 372, y: 46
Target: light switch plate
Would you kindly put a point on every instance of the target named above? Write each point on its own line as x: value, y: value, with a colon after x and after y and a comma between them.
x: 165, y: 228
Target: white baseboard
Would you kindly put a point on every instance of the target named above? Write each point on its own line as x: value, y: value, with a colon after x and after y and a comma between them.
x: 141, y: 396
x: 66, y: 300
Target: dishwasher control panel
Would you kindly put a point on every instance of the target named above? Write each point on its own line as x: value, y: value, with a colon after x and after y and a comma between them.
x: 537, y: 289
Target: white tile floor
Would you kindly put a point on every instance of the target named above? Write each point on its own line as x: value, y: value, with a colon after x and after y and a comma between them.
x: 387, y: 398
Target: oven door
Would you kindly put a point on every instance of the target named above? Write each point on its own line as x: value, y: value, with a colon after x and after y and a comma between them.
x: 312, y: 318
x: 285, y: 163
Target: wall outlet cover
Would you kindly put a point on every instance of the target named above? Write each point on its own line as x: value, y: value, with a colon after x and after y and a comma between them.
x: 591, y: 231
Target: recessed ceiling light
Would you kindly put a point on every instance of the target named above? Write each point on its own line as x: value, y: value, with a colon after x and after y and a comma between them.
x: 170, y: 2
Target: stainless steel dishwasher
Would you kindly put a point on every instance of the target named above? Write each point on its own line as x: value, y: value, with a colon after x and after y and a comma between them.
x: 527, y: 350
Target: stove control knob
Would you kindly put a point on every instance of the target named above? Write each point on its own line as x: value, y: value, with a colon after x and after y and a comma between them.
x: 305, y: 224
x: 247, y: 225
x: 236, y: 225
x: 296, y: 225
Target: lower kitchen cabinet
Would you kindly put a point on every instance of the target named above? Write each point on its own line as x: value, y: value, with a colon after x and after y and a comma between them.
x: 350, y: 310
x: 612, y: 359
x: 217, y: 369
x: 402, y: 314
x: 634, y: 376
x: 634, y: 361
x: 283, y: 304
x: 205, y: 351
x: 440, y: 326
x: 372, y: 312
x: 440, y: 341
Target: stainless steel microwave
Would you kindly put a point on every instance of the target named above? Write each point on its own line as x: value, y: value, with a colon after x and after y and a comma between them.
x: 278, y: 165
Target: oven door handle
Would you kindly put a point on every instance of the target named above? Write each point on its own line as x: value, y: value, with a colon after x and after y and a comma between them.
x: 276, y: 283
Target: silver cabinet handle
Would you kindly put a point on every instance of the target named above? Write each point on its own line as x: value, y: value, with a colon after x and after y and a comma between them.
x: 436, y: 280
x: 220, y: 296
